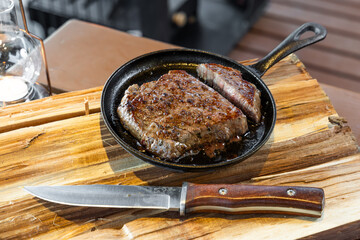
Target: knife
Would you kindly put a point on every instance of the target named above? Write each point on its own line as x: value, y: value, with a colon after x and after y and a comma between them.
x: 221, y: 198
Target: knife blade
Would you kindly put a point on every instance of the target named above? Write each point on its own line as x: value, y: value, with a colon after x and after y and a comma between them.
x: 221, y: 198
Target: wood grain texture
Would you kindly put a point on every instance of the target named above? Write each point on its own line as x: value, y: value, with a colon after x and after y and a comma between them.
x: 55, y: 143
x: 47, y: 110
x: 345, y: 102
x: 338, y: 178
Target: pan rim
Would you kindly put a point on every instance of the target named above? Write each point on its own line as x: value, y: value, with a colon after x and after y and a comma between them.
x: 172, y: 165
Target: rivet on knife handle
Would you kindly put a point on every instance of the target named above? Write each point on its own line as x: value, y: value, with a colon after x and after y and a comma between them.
x: 239, y: 199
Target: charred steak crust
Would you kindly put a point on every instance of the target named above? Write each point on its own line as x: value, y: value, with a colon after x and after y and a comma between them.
x: 231, y: 85
x: 178, y: 114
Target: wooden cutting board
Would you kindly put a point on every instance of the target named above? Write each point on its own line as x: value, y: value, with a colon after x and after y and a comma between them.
x: 62, y: 140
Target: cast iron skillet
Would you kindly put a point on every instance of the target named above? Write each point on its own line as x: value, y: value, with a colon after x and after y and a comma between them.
x: 150, y: 67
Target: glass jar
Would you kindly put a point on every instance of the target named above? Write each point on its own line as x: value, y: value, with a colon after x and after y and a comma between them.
x: 20, y: 59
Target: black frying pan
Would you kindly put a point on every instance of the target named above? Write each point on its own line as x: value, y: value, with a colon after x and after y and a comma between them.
x: 150, y: 67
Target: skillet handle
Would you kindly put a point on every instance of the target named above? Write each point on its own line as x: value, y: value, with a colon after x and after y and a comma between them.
x: 291, y: 44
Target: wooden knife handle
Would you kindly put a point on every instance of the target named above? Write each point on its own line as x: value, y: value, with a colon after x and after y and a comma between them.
x: 240, y: 199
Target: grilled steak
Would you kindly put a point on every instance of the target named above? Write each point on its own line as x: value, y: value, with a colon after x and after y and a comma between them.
x: 178, y: 115
x: 230, y: 84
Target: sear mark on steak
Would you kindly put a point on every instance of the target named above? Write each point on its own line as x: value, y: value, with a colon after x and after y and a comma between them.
x: 229, y: 82
x: 178, y: 115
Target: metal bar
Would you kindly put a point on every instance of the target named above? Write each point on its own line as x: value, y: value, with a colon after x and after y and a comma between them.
x: 42, y: 47
x: 23, y: 15
x: 43, y: 54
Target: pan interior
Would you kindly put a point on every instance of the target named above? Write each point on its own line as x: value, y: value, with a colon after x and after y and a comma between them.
x: 150, y: 68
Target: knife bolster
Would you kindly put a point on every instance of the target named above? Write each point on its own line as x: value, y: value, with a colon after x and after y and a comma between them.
x: 183, y: 198
x: 242, y: 199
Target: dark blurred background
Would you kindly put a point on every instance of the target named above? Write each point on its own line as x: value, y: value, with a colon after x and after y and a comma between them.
x: 212, y: 25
